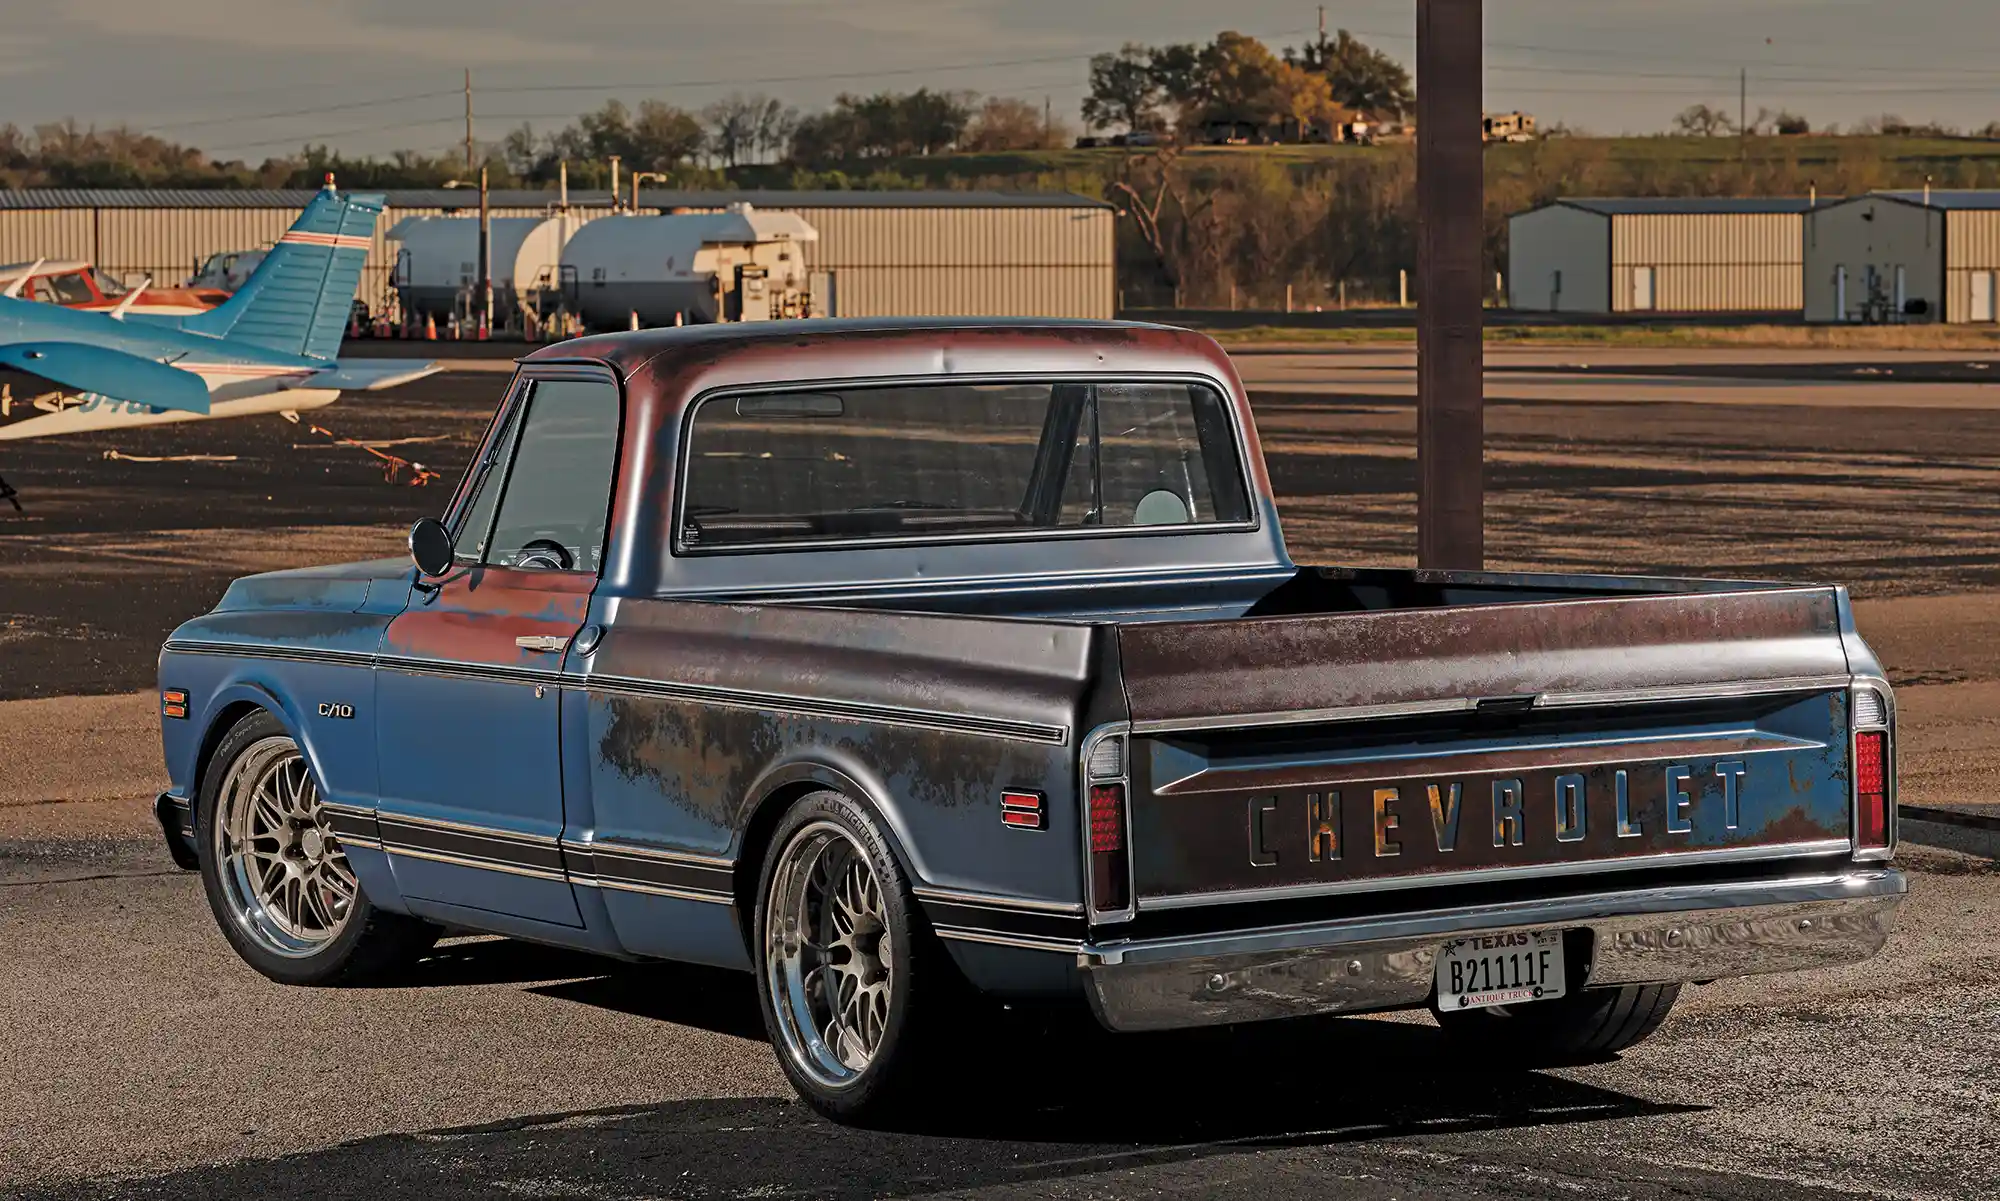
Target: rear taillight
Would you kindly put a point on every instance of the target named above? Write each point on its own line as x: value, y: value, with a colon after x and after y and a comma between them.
x: 1871, y: 789
x: 1110, y: 875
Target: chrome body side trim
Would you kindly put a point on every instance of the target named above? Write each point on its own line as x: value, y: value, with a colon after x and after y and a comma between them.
x: 1691, y: 692
x: 1302, y: 717
x: 652, y: 890
x: 987, y: 900
x: 1647, y: 935
x: 607, y: 846
x: 491, y: 865
x: 1026, y: 942
x: 288, y: 654
x: 1794, y: 850
x: 438, y: 823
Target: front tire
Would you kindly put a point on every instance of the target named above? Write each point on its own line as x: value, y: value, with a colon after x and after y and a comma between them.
x: 850, y: 980
x: 276, y: 876
x: 1577, y: 1028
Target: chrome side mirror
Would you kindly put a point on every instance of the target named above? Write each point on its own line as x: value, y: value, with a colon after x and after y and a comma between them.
x: 431, y: 546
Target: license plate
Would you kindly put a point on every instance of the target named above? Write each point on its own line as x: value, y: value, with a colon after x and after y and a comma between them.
x: 1500, y: 969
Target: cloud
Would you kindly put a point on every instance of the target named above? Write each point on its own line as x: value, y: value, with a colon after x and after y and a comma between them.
x: 319, y: 26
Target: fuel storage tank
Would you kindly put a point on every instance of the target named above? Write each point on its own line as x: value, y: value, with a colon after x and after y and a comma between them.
x: 740, y: 264
x: 438, y: 262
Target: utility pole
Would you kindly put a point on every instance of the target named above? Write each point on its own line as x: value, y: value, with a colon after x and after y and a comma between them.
x: 1743, y: 114
x: 468, y: 120
x: 1451, y: 419
x: 1048, y: 117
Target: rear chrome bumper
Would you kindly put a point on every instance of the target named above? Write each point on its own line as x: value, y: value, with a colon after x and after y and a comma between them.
x: 1640, y: 936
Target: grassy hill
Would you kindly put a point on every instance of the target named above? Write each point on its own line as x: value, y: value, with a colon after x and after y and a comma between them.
x: 1651, y: 165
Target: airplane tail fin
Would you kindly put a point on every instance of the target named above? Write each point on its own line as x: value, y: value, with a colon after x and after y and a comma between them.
x: 297, y: 300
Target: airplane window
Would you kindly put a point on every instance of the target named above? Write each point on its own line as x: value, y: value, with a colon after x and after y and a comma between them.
x: 107, y: 287
x: 41, y: 290
x: 72, y: 288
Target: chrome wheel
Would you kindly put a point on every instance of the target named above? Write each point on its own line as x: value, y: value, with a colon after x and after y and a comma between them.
x: 286, y: 880
x: 829, y: 954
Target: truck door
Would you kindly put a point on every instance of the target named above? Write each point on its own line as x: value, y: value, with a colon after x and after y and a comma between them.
x: 468, y: 683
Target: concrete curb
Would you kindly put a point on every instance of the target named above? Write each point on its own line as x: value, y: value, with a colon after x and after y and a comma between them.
x: 1967, y: 833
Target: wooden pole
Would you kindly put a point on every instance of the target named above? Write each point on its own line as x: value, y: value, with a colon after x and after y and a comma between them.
x: 1450, y: 357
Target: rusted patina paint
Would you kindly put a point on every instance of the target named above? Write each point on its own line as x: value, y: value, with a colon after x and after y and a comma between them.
x: 1187, y: 670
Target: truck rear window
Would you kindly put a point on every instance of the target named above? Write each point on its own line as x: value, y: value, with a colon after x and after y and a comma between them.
x: 941, y: 460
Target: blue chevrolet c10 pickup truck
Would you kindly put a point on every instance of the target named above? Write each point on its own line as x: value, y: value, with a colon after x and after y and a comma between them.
x: 882, y: 659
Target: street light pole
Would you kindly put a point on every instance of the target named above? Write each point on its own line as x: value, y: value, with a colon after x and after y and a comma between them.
x: 1450, y: 357
x: 485, y: 260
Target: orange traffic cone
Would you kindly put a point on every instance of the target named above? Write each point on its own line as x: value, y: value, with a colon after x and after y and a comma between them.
x: 430, y: 327
x: 635, y: 320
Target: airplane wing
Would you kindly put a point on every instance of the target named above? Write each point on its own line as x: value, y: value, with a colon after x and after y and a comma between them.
x: 365, y: 375
x: 111, y: 373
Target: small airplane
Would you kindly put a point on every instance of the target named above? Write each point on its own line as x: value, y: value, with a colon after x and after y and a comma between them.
x: 76, y: 284
x: 270, y: 348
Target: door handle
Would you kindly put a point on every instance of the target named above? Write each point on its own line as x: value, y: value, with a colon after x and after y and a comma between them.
x: 550, y: 643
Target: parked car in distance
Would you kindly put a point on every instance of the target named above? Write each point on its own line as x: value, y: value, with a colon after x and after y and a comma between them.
x: 867, y: 656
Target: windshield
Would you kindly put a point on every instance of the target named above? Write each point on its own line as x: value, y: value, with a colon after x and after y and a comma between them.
x: 71, y: 288
x: 106, y: 285
x: 940, y: 460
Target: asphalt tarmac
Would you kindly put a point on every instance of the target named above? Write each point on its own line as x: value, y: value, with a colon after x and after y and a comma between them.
x: 1775, y: 473
x: 144, y: 1060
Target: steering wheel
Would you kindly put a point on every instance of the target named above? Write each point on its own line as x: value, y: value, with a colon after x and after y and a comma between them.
x: 545, y: 554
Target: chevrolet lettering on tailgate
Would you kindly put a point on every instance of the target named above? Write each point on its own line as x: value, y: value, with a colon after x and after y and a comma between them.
x: 846, y: 653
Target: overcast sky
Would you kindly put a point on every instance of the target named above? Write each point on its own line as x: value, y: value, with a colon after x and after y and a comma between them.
x: 232, y: 76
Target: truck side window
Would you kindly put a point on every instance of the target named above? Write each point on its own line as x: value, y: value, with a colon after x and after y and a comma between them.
x: 477, y: 520
x: 555, y: 498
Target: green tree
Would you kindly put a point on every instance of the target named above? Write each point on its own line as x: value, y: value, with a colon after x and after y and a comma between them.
x: 1124, y: 90
x: 884, y: 125
x: 1360, y: 76
x: 1239, y: 79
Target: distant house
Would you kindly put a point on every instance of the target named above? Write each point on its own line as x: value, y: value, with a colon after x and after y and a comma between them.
x: 1224, y: 132
x: 1342, y: 125
x: 1510, y: 127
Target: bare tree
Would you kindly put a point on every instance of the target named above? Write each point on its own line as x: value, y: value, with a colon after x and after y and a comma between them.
x: 1701, y: 121
x: 731, y: 127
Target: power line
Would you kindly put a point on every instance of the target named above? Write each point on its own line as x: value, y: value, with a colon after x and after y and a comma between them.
x: 301, y: 112
x: 302, y: 139
x: 740, y: 80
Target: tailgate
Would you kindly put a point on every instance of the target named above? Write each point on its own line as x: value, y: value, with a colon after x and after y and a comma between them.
x: 1297, y: 756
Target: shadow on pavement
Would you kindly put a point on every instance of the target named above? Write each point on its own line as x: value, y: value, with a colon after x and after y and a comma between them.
x: 1037, y: 1099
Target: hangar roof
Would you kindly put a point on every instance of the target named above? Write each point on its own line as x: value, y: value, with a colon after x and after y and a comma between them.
x: 1632, y: 206
x: 1943, y: 198
x: 459, y: 198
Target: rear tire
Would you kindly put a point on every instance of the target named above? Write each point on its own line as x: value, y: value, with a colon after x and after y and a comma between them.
x: 1577, y: 1028
x: 853, y: 985
x: 276, y: 877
